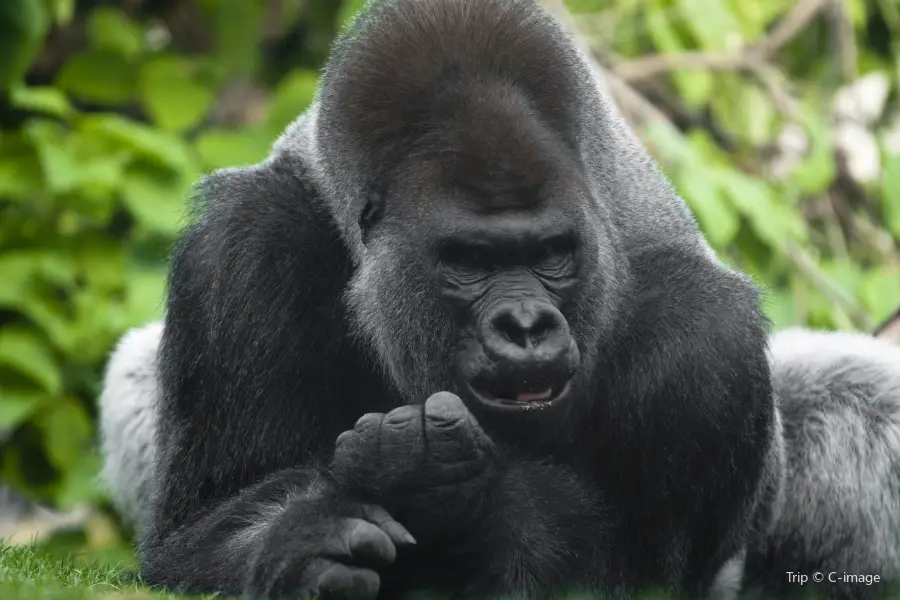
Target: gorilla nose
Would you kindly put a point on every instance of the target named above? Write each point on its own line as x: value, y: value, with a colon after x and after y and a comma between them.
x: 527, y: 333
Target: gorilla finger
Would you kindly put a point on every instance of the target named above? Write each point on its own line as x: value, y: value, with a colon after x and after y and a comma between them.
x: 365, y: 543
x: 452, y: 431
x: 368, y: 422
x: 403, y: 416
x: 402, y: 442
x: 340, y: 582
x: 344, y: 437
x: 444, y: 407
x: 362, y: 441
x: 379, y: 516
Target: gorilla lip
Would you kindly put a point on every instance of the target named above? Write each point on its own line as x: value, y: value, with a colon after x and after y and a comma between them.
x: 523, y: 400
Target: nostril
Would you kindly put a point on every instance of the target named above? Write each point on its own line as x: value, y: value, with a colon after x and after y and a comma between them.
x: 543, y: 326
x: 525, y: 325
x: 511, y: 328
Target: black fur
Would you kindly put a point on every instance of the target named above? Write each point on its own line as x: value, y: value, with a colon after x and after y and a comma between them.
x: 286, y: 324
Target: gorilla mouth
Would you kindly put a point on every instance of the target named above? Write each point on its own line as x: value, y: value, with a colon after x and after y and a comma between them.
x: 520, y: 396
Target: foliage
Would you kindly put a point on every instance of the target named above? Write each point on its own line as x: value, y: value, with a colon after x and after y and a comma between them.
x: 824, y: 253
x: 110, y: 111
x: 97, y: 156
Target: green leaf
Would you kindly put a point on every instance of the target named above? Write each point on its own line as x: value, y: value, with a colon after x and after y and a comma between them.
x: 816, y: 172
x: 145, y: 296
x: 743, y: 109
x: 44, y: 264
x: 890, y: 193
x: 100, y: 76
x: 79, y: 484
x: 661, y: 30
x: 172, y: 95
x: 155, y: 200
x: 17, y: 405
x: 844, y: 273
x: 109, y: 29
x: 717, y: 218
x: 668, y: 145
x: 222, y: 148
x: 42, y: 99
x: 162, y: 148
x: 778, y: 306
x: 238, y: 27
x: 292, y: 96
x: 63, y: 11
x: 67, y: 432
x: 61, y: 171
x: 857, y: 10
x: 100, y: 263
x: 694, y: 86
x: 772, y: 221
x: 880, y: 291
x: 349, y: 11
x: 22, y: 350
x: 97, y: 321
x: 20, y: 171
x: 27, y: 276
x: 23, y: 24
x: 712, y: 24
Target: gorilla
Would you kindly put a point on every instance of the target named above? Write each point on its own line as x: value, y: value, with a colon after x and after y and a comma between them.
x: 459, y: 333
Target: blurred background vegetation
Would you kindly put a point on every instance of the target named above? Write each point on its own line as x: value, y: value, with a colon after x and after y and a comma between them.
x: 777, y: 120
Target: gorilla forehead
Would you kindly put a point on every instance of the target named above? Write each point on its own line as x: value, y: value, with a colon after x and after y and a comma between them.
x: 369, y: 111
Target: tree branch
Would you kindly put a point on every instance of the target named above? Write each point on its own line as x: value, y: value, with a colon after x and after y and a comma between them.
x: 751, y: 57
x: 807, y: 267
x: 636, y: 108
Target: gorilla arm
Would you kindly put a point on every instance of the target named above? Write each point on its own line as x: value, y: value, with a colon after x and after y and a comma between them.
x: 247, y: 321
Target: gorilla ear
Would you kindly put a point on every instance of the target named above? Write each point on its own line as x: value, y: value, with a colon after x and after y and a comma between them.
x: 371, y: 213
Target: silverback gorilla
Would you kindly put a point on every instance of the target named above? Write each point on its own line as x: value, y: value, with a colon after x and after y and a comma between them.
x: 457, y: 333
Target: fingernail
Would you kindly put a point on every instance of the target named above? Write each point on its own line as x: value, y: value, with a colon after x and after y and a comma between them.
x: 408, y: 538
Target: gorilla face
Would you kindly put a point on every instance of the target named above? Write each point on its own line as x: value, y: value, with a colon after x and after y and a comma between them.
x: 517, y: 346
x: 487, y: 218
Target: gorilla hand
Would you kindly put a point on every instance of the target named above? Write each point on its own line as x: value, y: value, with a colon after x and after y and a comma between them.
x: 415, y: 456
x: 326, y: 549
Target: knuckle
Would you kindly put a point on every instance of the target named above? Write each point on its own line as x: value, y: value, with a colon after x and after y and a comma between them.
x: 368, y: 421
x: 402, y: 417
x: 343, y: 439
x: 445, y: 405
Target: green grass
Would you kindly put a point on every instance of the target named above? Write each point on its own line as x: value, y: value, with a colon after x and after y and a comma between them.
x: 35, y: 573
x: 42, y: 573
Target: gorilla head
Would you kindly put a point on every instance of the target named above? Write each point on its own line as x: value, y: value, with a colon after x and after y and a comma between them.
x: 473, y: 198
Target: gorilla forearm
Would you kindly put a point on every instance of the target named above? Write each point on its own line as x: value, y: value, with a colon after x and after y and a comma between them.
x: 290, y: 533
x: 213, y: 549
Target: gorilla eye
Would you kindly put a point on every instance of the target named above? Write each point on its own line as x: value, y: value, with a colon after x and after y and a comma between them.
x: 553, y: 255
x: 468, y: 259
x: 371, y: 213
